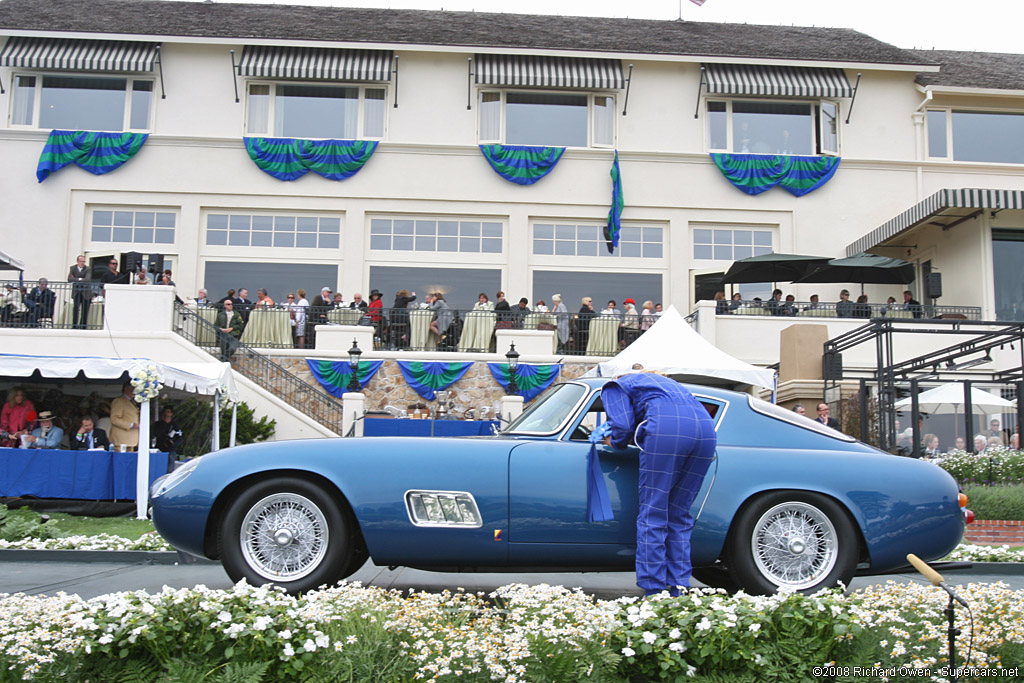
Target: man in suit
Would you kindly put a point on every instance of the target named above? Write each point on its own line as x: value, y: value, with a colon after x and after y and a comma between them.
x: 89, y: 436
x: 44, y: 301
x: 243, y: 305
x: 124, y: 419
x: 81, y: 292
x: 823, y: 417
x: 910, y: 304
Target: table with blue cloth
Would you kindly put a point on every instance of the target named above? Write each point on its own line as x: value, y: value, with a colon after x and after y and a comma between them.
x: 396, y: 427
x: 80, y: 475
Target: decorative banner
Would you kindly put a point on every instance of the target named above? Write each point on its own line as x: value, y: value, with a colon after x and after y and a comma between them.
x: 426, y: 377
x: 531, y: 379
x: 290, y: 158
x: 334, y: 375
x: 97, y: 153
x: 522, y: 165
x: 599, y: 505
x: 611, y: 230
x: 756, y: 173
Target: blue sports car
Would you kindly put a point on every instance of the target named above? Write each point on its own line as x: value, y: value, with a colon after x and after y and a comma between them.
x: 787, y: 502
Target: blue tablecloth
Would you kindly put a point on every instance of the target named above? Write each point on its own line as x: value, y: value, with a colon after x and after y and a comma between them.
x: 394, y: 427
x: 82, y: 475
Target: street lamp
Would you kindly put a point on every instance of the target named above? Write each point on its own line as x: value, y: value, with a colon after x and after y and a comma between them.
x: 513, y: 364
x: 353, y: 364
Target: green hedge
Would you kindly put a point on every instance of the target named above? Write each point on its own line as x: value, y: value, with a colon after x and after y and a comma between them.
x: 996, y: 502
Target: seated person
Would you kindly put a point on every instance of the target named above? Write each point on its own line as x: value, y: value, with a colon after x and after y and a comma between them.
x: 46, y: 435
x: 89, y: 436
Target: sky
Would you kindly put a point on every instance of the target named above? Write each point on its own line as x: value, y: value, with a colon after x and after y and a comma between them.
x: 981, y: 25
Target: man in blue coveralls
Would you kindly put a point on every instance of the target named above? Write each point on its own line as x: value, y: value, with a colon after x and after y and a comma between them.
x: 676, y: 437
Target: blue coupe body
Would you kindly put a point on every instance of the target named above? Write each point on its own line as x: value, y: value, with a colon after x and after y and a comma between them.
x: 787, y: 501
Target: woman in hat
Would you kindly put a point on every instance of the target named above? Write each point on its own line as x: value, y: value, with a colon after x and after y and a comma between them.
x: 630, y: 323
x: 374, y: 312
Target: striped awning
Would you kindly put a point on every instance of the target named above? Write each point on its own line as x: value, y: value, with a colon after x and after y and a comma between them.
x: 315, y: 63
x: 776, y: 81
x: 943, y: 208
x: 549, y: 72
x: 78, y: 55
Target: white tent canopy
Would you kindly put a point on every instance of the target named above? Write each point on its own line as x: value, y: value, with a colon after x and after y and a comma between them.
x: 949, y: 399
x: 194, y: 378
x: 8, y: 262
x: 673, y: 347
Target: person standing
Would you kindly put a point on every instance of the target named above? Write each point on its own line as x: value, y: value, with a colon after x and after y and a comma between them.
x: 166, y: 435
x: 112, y: 276
x: 677, y: 441
x: 124, y: 419
x: 911, y: 304
x: 81, y: 292
x: 825, y: 418
x: 230, y: 325
x: 561, y: 321
x: 583, y: 318
x: 89, y: 436
x: 243, y: 305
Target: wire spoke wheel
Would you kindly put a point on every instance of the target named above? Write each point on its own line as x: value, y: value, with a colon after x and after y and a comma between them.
x: 284, y: 537
x: 794, y: 544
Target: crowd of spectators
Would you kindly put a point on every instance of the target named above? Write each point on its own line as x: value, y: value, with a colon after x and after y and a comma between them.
x: 844, y: 308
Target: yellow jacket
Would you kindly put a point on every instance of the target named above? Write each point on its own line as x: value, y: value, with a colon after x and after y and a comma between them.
x: 124, y: 412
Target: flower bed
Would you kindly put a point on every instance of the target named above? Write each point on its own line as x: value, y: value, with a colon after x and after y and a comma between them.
x: 518, y: 633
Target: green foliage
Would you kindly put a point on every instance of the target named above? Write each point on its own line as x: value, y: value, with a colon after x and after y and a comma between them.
x: 996, y: 502
x: 23, y: 523
x: 997, y: 465
x: 195, y: 418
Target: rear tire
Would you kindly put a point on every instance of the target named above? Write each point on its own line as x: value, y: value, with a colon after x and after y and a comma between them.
x: 289, y: 532
x: 798, y: 539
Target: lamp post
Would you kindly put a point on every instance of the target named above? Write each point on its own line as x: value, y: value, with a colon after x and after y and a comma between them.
x: 353, y: 364
x: 513, y: 364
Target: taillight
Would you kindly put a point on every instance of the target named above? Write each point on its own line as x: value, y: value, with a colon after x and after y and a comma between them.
x: 963, y: 500
x: 969, y: 516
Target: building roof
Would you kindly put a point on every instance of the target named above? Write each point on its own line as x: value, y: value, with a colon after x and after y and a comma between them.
x: 470, y: 29
x: 997, y: 70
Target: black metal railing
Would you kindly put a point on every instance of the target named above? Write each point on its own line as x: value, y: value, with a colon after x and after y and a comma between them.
x: 194, y: 325
x: 63, y: 305
x: 847, y: 309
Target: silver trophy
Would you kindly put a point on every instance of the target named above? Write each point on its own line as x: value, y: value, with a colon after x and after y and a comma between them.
x: 441, y: 410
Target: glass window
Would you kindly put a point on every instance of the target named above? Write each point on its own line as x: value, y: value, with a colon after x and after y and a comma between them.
x: 436, y: 235
x: 259, y: 109
x: 374, y: 110
x: 588, y: 240
x: 599, y: 285
x: 303, y: 110
x: 1007, y: 255
x: 988, y: 136
x: 604, y: 120
x: 24, y: 100
x: 278, y: 278
x: 829, y: 133
x: 535, y: 118
x: 72, y: 102
x: 460, y: 286
x: 937, y: 129
x: 490, y: 116
x: 142, y: 97
x: 727, y: 244
x: 133, y: 227
x: 773, y: 127
x: 718, y: 126
x: 264, y: 230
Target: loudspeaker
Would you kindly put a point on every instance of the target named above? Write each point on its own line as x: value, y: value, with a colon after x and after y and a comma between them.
x: 131, y: 261
x: 832, y: 366
x: 155, y: 266
x: 934, y: 285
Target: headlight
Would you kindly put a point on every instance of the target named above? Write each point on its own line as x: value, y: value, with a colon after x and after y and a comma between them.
x: 172, y: 479
x: 442, y: 508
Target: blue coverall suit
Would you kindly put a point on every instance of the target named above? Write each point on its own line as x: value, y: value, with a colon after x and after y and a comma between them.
x: 676, y: 437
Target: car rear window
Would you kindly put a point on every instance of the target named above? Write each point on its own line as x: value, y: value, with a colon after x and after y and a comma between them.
x: 779, y: 413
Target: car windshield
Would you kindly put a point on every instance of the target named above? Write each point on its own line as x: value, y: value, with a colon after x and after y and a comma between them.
x: 549, y: 411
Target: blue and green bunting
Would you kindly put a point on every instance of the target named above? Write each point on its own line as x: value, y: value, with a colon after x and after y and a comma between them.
x: 611, y: 230
x: 334, y: 375
x: 756, y: 173
x: 426, y: 377
x: 97, y: 153
x: 289, y: 158
x: 522, y: 165
x: 531, y: 379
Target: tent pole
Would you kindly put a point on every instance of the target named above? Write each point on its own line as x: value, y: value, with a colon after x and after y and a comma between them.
x: 215, y: 438
x: 142, y: 466
x: 234, y: 425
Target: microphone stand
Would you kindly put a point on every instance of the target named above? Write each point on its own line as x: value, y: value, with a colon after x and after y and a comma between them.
x: 951, y: 631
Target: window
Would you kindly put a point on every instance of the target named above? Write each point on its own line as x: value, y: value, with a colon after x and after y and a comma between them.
x: 460, y: 286
x: 436, y: 235
x: 730, y: 244
x: 316, y: 111
x: 994, y: 137
x: 773, y: 127
x: 547, y: 118
x: 263, y: 230
x: 561, y: 239
x: 600, y: 286
x: 71, y: 102
x: 133, y: 226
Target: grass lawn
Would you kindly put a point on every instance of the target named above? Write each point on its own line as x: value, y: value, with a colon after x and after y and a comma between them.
x: 73, y: 525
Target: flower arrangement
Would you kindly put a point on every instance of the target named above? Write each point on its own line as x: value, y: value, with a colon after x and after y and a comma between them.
x: 146, y: 383
x: 225, y: 399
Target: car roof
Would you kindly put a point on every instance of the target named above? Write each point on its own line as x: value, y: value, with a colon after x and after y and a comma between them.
x: 717, y: 392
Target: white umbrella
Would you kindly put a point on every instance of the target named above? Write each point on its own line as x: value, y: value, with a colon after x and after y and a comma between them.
x: 949, y: 398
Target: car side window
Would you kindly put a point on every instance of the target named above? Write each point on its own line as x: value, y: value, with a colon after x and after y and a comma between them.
x: 591, y: 417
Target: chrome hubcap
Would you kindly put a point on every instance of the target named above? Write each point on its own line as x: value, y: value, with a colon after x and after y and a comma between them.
x: 794, y: 544
x: 284, y: 537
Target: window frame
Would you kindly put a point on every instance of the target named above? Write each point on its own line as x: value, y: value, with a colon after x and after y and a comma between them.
x: 591, y: 96
x: 439, y: 258
x: 948, y: 112
x: 37, y: 96
x: 131, y: 245
x: 816, y: 115
x: 218, y: 250
x: 602, y: 257
x: 703, y: 263
x: 361, y: 86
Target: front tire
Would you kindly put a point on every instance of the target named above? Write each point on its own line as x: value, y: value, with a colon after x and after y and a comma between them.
x: 286, y: 531
x: 795, y: 539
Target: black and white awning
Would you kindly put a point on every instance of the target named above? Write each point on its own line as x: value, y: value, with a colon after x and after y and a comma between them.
x: 549, y: 72
x: 776, y: 81
x: 944, y: 208
x: 315, y: 63
x: 79, y: 55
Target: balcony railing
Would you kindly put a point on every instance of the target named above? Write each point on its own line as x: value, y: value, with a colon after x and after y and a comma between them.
x: 847, y: 310
x: 52, y: 306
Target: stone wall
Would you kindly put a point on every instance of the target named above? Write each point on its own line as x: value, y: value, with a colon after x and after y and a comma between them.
x: 476, y: 389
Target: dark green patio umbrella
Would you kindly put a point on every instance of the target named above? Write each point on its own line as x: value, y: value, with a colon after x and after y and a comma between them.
x: 772, y: 268
x: 863, y: 268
